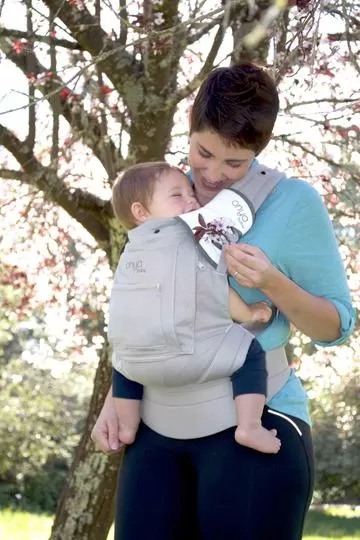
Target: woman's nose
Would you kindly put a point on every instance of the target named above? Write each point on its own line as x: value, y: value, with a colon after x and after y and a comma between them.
x: 213, y: 173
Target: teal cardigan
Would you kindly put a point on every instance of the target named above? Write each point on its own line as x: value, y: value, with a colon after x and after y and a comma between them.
x: 294, y: 230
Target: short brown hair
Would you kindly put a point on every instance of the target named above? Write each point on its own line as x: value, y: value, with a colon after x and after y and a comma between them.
x: 240, y: 103
x: 136, y: 184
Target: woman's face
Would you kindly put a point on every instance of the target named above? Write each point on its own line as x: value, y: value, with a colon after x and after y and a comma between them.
x: 214, y: 165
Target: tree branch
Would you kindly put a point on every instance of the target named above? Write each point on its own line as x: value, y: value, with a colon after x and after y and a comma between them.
x: 31, y: 90
x: 91, y: 211
x: 349, y: 40
x: 207, y: 67
x: 209, y: 62
x: 83, y: 123
x: 123, y: 23
x: 346, y: 167
x: 193, y: 38
x: 12, y: 174
x: 330, y: 100
x: 109, y: 164
x: 331, y: 10
x: 343, y: 36
x: 115, y: 61
x: 56, y: 103
x: 18, y: 34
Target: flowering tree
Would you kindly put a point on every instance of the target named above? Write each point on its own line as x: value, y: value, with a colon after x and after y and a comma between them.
x: 105, y: 84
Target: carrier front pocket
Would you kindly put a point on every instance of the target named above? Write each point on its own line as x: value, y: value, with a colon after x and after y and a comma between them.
x: 136, y: 317
x: 152, y: 305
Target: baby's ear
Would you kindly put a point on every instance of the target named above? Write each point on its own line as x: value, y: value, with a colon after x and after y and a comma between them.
x: 139, y: 212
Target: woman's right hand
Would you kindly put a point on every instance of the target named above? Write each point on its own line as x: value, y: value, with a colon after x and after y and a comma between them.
x: 105, y: 432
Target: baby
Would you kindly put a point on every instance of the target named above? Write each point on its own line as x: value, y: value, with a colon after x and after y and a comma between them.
x: 157, y: 190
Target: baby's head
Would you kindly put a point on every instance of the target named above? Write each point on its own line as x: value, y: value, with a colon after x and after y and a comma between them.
x: 149, y: 191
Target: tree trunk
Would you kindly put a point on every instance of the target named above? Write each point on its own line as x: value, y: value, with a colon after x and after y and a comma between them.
x: 86, y: 506
x: 241, y: 25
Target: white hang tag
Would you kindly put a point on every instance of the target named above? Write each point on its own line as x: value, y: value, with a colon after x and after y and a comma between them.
x: 223, y: 220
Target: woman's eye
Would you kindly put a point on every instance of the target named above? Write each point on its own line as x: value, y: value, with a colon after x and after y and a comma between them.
x: 204, y: 155
x: 235, y: 165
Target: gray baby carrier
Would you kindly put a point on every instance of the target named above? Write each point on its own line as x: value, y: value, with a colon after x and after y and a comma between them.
x: 169, y: 322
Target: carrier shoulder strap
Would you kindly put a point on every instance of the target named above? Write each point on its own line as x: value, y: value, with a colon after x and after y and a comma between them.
x: 231, y: 213
x: 258, y: 183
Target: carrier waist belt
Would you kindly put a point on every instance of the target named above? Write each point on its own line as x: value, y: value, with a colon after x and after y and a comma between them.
x: 198, y: 410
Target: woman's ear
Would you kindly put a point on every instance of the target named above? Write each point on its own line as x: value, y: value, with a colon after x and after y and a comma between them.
x: 139, y: 212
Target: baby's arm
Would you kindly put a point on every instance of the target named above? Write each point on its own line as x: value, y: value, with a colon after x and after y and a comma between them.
x: 242, y: 312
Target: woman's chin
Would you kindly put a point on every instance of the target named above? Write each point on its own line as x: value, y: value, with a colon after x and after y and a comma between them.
x: 212, y: 186
x: 203, y: 195
x: 205, y: 191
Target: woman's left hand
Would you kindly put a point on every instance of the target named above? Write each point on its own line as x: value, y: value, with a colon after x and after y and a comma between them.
x: 249, y: 266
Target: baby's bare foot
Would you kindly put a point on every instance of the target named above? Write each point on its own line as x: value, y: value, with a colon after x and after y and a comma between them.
x: 258, y: 438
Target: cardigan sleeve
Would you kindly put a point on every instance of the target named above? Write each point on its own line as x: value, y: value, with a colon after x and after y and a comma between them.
x: 309, y: 255
x: 125, y: 388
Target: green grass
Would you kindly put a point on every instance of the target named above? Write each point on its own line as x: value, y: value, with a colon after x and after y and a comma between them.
x: 332, y: 523
x: 341, y: 523
x: 24, y: 526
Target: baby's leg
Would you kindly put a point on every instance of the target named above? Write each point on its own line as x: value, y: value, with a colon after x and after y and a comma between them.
x: 250, y: 432
x: 128, y: 413
x: 249, y: 391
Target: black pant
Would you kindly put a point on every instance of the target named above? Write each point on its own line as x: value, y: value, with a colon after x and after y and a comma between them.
x: 214, y: 489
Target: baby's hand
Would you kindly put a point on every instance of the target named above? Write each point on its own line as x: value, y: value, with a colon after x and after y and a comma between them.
x: 261, y: 312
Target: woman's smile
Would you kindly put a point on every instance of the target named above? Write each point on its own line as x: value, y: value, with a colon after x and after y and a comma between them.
x: 213, y: 185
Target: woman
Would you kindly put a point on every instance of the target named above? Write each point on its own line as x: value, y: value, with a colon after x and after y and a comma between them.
x: 207, y: 486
